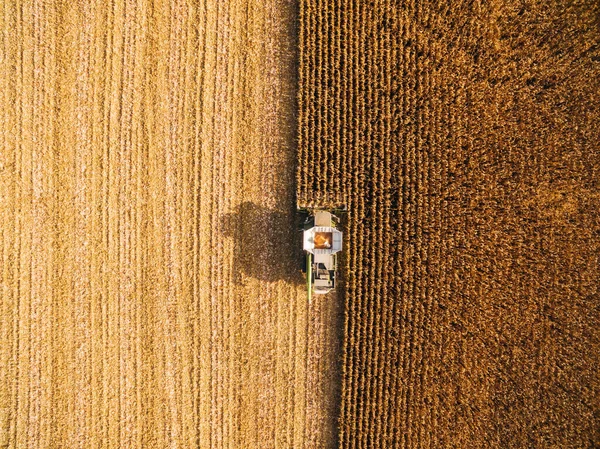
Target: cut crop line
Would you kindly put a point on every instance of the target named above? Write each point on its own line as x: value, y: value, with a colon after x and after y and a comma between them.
x: 198, y: 176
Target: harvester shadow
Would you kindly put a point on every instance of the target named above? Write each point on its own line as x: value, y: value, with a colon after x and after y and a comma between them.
x: 267, y: 244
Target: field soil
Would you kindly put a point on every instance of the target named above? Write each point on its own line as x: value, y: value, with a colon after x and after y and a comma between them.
x: 464, y: 139
x: 150, y: 266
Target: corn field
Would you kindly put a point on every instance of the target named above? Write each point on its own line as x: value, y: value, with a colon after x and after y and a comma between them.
x: 464, y: 140
x: 154, y: 153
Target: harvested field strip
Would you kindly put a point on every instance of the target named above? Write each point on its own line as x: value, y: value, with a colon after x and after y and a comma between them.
x: 151, y: 293
x: 463, y: 141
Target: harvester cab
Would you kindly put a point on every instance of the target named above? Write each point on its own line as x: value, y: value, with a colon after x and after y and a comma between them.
x: 321, y: 241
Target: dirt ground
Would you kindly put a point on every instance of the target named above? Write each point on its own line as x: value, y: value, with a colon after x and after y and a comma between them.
x: 151, y: 294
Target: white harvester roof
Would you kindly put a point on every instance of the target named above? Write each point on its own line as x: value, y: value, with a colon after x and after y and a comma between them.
x: 322, y: 238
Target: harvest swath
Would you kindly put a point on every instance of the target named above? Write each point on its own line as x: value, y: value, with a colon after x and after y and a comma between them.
x: 464, y: 140
x: 150, y: 290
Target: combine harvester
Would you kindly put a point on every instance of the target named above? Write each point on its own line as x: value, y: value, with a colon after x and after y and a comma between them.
x: 321, y: 241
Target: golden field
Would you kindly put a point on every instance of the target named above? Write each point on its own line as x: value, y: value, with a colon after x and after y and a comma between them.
x: 151, y: 295
x: 464, y: 139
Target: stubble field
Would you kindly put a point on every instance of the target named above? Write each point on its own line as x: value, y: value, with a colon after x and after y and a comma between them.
x: 151, y: 295
x: 464, y: 139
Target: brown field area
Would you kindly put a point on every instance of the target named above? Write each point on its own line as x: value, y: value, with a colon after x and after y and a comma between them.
x: 464, y: 138
x: 151, y: 293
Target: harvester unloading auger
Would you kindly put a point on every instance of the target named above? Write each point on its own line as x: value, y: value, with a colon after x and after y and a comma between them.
x: 322, y: 240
